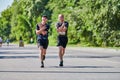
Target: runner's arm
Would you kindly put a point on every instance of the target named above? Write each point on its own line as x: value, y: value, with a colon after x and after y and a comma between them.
x: 40, y: 30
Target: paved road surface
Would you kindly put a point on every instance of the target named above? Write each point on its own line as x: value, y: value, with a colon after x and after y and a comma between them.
x: 79, y: 64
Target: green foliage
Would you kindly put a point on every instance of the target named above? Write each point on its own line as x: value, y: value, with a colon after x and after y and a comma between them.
x: 5, y: 25
x: 91, y: 22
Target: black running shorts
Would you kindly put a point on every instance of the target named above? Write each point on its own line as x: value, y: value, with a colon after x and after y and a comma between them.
x: 43, y: 43
x: 62, y: 41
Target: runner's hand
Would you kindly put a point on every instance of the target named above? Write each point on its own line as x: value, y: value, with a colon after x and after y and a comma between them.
x: 44, y: 32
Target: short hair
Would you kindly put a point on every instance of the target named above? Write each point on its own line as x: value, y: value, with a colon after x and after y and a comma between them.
x: 61, y: 15
x: 44, y: 16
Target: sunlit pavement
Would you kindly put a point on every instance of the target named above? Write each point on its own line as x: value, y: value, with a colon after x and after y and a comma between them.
x: 22, y: 63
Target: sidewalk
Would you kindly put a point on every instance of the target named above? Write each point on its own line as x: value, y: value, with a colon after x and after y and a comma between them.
x: 96, y: 49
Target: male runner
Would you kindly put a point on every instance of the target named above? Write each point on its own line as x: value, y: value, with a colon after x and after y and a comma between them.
x: 62, y: 28
x: 42, y: 37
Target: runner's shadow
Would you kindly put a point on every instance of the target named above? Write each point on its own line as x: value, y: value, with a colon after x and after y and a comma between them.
x: 81, y: 67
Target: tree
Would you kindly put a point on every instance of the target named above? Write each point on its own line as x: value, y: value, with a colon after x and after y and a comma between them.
x: 91, y: 22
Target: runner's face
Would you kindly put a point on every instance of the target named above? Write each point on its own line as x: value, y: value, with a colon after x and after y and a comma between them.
x: 61, y: 18
x: 44, y: 19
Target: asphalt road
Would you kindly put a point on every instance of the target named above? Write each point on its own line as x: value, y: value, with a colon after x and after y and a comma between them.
x: 22, y: 63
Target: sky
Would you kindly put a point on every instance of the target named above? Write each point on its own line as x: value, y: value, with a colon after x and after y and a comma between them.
x: 4, y: 4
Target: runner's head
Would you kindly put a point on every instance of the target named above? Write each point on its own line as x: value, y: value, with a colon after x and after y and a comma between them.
x: 44, y: 19
x: 61, y: 17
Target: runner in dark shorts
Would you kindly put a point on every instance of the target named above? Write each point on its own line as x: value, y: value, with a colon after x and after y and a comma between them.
x: 62, y: 41
x: 42, y: 38
x: 62, y: 27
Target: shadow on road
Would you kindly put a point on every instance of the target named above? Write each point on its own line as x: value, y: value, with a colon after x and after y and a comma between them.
x: 20, y: 57
x: 18, y: 53
x: 81, y: 67
x: 17, y: 57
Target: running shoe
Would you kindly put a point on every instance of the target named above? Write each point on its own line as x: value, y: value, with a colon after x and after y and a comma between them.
x: 61, y: 63
x: 42, y: 64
